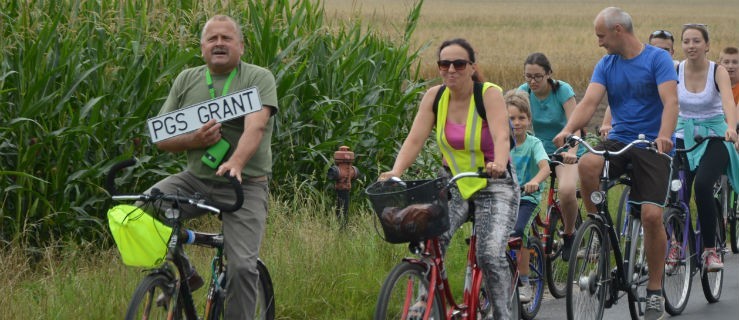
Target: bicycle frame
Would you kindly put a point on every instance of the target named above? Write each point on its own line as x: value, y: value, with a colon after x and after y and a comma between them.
x: 682, y: 202
x: 552, y: 204
x: 431, y: 258
x: 174, y: 263
x: 622, y: 280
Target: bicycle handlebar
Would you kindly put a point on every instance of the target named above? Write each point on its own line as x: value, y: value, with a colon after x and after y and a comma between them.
x: 557, y: 158
x: 698, y: 141
x: 156, y: 194
x: 479, y: 174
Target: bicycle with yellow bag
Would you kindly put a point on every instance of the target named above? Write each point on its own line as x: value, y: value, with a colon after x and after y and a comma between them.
x: 144, y: 241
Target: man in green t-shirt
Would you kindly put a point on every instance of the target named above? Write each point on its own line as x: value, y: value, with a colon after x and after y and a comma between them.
x: 249, y: 158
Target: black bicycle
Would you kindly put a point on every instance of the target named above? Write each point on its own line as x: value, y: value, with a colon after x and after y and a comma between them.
x: 164, y: 293
x: 592, y: 284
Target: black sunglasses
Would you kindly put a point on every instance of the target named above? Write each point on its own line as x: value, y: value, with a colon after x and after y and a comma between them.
x: 459, y: 64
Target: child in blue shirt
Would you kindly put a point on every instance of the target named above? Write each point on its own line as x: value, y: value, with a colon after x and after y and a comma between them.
x: 532, y: 167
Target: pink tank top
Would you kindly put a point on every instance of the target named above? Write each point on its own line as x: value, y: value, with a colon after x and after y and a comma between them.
x: 455, y: 135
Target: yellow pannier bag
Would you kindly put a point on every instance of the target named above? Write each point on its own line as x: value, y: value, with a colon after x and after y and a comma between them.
x: 141, y: 239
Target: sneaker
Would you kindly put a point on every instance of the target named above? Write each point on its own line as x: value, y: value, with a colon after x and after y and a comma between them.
x: 655, y: 309
x: 416, y: 311
x: 673, y: 257
x: 567, y: 246
x: 712, y: 261
x: 594, y: 248
x: 194, y: 281
x: 525, y: 293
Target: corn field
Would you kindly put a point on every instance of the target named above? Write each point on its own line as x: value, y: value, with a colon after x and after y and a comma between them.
x: 78, y: 79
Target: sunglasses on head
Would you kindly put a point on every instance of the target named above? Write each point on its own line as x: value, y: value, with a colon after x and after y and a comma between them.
x: 664, y: 34
x: 459, y: 64
x: 696, y: 25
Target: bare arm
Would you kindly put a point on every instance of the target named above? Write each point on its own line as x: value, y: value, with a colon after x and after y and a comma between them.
x: 497, y: 117
x: 668, y: 95
x: 583, y: 111
x: 254, y: 126
x: 727, y: 100
x: 540, y: 177
x: 422, y: 124
x: 607, y: 124
x: 571, y: 155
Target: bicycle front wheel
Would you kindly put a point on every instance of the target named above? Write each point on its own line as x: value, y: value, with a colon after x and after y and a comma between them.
x: 677, y: 278
x: 713, y: 281
x: 265, y: 304
x: 536, y: 279
x: 404, y: 295
x: 587, y: 278
x: 637, y: 269
x: 733, y: 224
x: 556, y: 267
x: 153, y: 299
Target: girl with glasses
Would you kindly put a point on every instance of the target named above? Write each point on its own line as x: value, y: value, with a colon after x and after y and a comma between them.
x: 552, y: 102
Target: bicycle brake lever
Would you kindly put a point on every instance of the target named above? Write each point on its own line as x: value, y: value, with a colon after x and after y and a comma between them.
x: 398, y: 181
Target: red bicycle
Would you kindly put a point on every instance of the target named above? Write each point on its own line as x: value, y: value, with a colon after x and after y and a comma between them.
x: 418, y: 287
x: 552, y: 230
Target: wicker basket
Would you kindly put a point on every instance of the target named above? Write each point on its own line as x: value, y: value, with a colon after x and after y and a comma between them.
x: 412, y: 212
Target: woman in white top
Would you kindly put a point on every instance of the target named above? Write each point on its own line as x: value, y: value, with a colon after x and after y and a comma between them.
x: 706, y: 109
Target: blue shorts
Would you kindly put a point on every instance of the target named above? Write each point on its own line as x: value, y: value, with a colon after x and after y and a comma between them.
x: 523, y: 222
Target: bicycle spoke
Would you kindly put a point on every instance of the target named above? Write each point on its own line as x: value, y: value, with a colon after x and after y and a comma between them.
x: 587, y: 284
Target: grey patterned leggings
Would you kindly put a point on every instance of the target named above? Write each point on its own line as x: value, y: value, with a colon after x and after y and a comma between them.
x: 496, y: 208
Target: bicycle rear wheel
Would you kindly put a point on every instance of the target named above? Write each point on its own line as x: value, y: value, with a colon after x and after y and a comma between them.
x: 152, y: 299
x: 733, y: 224
x: 588, y: 276
x: 556, y: 267
x: 265, y: 307
x: 677, y: 278
x: 712, y: 282
x: 265, y: 304
x: 637, y: 269
x: 406, y: 288
x: 536, y: 279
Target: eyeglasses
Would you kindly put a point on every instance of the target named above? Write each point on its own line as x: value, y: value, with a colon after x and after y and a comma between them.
x: 662, y: 34
x: 536, y: 77
x: 459, y: 64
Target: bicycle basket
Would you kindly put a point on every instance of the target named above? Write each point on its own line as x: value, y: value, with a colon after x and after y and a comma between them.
x: 140, y: 238
x: 414, y: 212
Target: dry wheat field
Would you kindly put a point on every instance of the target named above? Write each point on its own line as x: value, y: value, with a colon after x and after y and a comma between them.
x: 505, y: 32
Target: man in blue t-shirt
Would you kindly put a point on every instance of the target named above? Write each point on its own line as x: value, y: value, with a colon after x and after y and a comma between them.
x: 641, y: 85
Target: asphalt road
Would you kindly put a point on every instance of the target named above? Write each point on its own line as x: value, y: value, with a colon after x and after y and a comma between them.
x: 698, y: 308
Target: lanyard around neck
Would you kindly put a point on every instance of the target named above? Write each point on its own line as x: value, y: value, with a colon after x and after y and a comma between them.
x: 209, y: 82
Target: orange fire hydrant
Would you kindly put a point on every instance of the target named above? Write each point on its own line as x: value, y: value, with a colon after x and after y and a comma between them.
x: 343, y: 172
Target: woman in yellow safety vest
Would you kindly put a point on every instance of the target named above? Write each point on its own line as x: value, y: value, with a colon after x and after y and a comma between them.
x: 468, y: 141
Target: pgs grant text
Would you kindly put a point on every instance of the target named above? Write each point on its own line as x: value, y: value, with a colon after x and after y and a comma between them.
x: 175, y: 123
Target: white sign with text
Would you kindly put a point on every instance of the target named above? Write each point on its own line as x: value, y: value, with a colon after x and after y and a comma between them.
x: 188, y: 119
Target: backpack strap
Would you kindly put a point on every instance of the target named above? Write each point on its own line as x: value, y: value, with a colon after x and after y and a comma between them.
x: 479, y: 106
x: 715, y: 67
x: 479, y: 103
x: 438, y: 97
x: 477, y: 92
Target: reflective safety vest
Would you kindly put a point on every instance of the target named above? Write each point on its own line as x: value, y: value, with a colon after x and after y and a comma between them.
x: 471, y: 157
